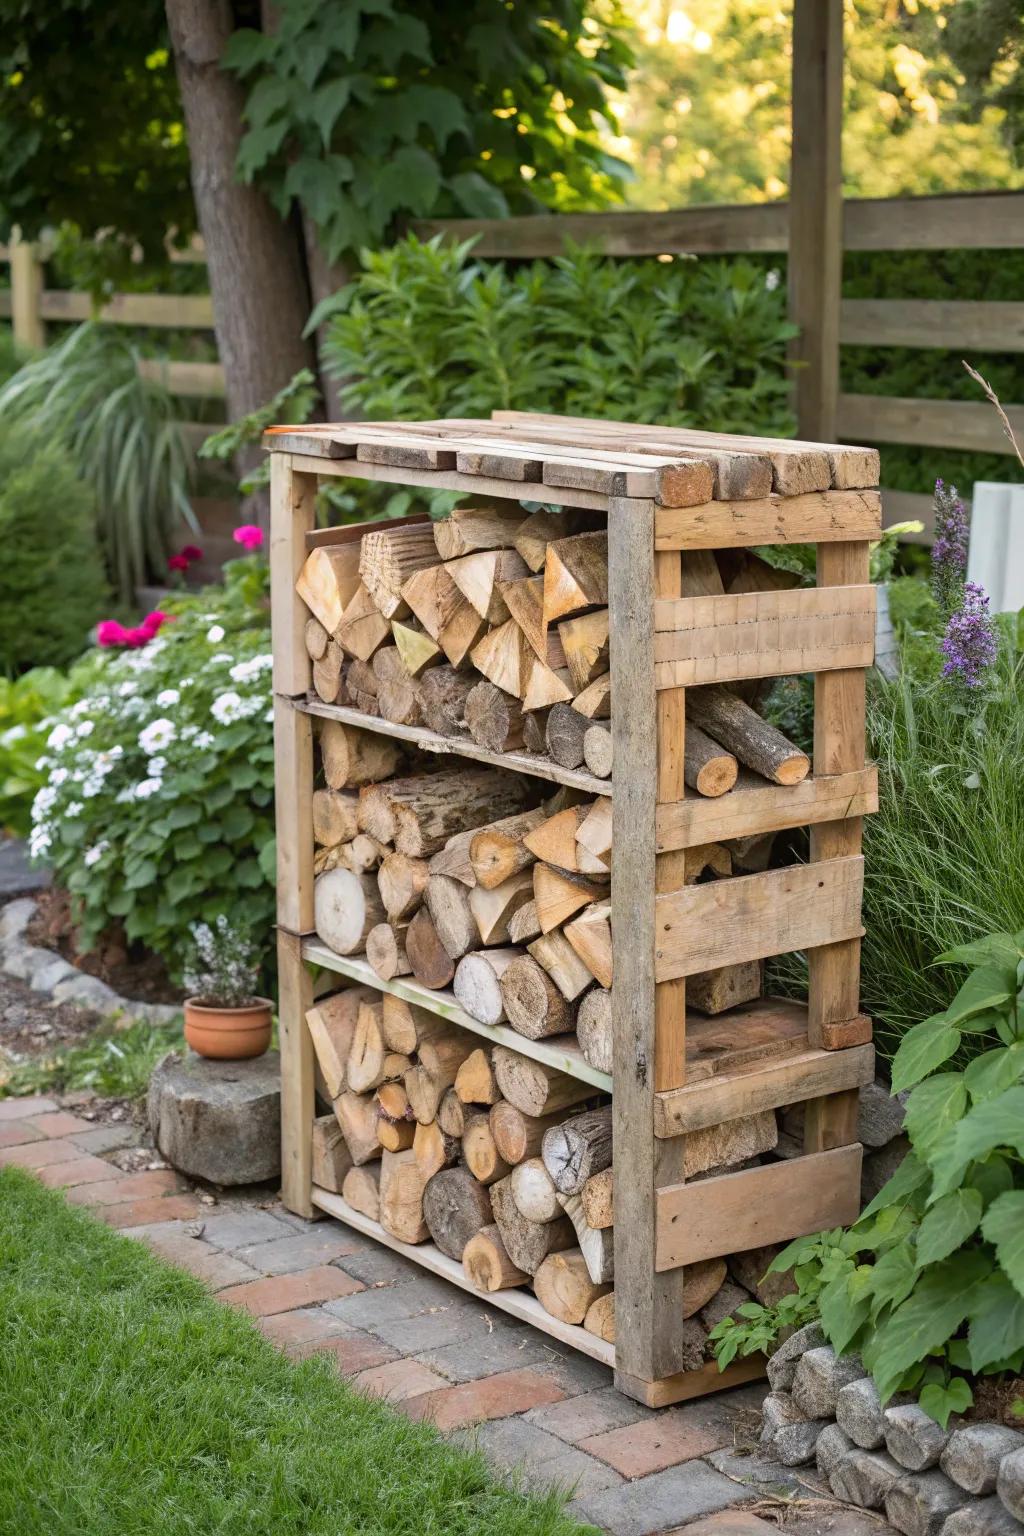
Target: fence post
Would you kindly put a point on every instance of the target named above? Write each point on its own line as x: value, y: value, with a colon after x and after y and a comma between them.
x: 26, y: 293
x: 816, y: 213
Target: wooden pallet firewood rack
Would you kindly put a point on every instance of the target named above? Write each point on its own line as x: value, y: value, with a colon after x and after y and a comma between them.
x: 668, y: 494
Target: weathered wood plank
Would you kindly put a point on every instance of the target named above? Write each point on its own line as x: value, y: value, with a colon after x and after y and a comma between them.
x: 812, y: 518
x: 969, y: 424
x: 754, y: 806
x: 293, y: 812
x: 963, y: 324
x: 294, y: 999
x: 762, y: 1084
x: 292, y: 514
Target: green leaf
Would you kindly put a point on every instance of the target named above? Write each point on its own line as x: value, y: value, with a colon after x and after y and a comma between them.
x: 268, y: 859
x: 994, y: 1071
x: 327, y: 104
x: 911, y: 1175
x: 184, y: 814
x: 934, y: 1107
x: 1000, y: 947
x: 939, y: 1401
x: 996, y: 1322
x: 993, y: 1123
x: 990, y: 986
x: 931, y: 1314
x: 992, y: 1177
x: 477, y: 197
x: 845, y: 1305
x: 408, y: 182
x: 947, y: 1225
x: 893, y: 1277
x: 245, y: 49
x: 236, y: 822
x: 921, y: 1050
x: 1004, y: 1226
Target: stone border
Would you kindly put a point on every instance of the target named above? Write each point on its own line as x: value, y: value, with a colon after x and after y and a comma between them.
x: 54, y: 977
x: 967, y: 1480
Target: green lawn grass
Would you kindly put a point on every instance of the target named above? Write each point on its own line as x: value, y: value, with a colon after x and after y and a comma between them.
x: 131, y: 1402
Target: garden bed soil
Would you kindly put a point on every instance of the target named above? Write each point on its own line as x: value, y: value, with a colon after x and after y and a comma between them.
x: 994, y: 1399
x: 130, y: 969
x: 31, y: 1025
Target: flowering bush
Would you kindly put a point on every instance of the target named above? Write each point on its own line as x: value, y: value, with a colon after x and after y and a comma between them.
x: 26, y: 704
x: 223, y: 967
x: 158, y: 802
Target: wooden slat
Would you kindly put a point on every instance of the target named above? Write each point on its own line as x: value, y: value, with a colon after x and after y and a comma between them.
x: 750, y: 917
x: 447, y: 480
x: 292, y: 515
x: 755, y: 806
x: 808, y: 519
x: 759, y: 1031
x: 968, y: 424
x: 771, y: 1204
x: 518, y: 1303
x: 762, y: 634
x: 961, y: 325
x: 298, y: 1097
x: 760, y: 1085
x: 293, y: 811
x: 560, y: 1052
x: 164, y: 311
x: 687, y: 1385
x: 670, y: 1064
x: 202, y: 381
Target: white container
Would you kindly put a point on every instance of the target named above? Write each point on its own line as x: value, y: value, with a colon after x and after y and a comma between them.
x: 996, y: 554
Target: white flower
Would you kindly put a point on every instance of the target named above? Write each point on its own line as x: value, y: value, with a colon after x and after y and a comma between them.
x: 39, y: 843
x: 147, y: 787
x: 58, y: 776
x: 185, y: 682
x: 215, y: 634
x: 44, y: 802
x: 771, y: 280
x: 125, y: 690
x: 85, y: 729
x: 249, y: 671
x: 269, y: 716
x: 42, y: 764
x: 81, y: 708
x: 74, y: 808
x: 168, y: 697
x: 125, y: 796
x: 227, y: 708
x: 59, y: 737
x: 159, y: 734
x: 16, y: 733
x: 204, y: 741
x: 156, y: 767
x: 92, y: 786
x: 93, y: 855
x: 221, y: 656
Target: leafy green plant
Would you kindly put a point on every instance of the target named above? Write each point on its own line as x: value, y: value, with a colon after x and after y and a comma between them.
x: 294, y: 403
x: 929, y: 1284
x: 158, y: 805
x: 223, y: 965
x: 121, y: 430
x: 52, y: 586
x: 114, y: 1062
x: 27, y: 704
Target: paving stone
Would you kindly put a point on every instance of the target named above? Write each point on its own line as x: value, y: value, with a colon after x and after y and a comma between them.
x: 214, y: 1268
x: 393, y: 1301
x: 280, y: 1293
x: 379, y: 1266
x: 349, y: 1355
x: 864, y: 1477
x: 38, y: 1154
x: 591, y: 1413
x: 23, y: 1109
x: 58, y: 1122
x: 880, y: 1115
x: 241, y: 1228
x: 399, y: 1380
x: 818, y: 1379
x: 493, y: 1397
x: 87, y: 992
x: 788, y: 1434
x: 981, y: 1517
x: 138, y: 1213
x: 577, y: 1475
x: 575, y: 1374
x: 19, y: 1133
x: 755, y: 1469
x: 431, y: 1330
x: 732, y: 1522
x: 487, y: 1353
x: 639, y: 1449
x: 15, y: 916
x: 859, y: 1413
x: 783, y: 1363
x: 833, y: 1444
x: 82, y: 1169
x: 134, y: 1186
x: 974, y: 1452
x: 106, y: 1138
x: 297, y: 1250
x: 919, y: 1505
x: 218, y: 1120
x: 660, y: 1502
x: 1010, y: 1483
x: 304, y: 1326
x: 528, y: 1456
x: 151, y: 1232
x: 912, y: 1438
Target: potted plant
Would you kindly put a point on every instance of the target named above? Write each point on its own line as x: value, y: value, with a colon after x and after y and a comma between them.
x: 225, y: 1018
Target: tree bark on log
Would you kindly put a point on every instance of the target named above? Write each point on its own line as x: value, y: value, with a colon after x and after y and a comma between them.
x: 430, y: 961
x: 447, y: 901
x: 574, y: 1151
x: 526, y: 1242
x: 451, y: 1114
x: 597, y: 1245
x: 726, y: 719
x: 534, y: 1087
x: 706, y: 767
x: 332, y: 1024
x: 535, y: 725
x: 467, y: 529
x: 477, y: 983
x: 431, y: 808
x: 327, y: 675
x: 401, y: 882
x: 479, y: 1152
x: 442, y: 693
x: 565, y: 964
x: 385, y: 951
x: 406, y: 1026
x: 352, y: 757
x: 455, y: 1208
x: 594, y: 1028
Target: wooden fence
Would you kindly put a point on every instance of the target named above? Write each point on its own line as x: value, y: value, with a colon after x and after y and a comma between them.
x: 963, y: 221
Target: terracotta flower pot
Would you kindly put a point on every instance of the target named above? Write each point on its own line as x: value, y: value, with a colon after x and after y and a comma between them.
x: 228, y: 1034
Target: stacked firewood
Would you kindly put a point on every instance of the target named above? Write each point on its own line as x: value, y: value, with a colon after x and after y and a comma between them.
x: 503, y: 1162
x: 494, y: 627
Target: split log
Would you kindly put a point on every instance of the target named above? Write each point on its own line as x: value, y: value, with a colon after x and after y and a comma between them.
x: 535, y: 534
x: 575, y: 574
x: 533, y: 1191
x: 424, y: 1094
x: 361, y: 1190
x: 494, y: 718
x: 701, y: 1283
x: 594, y: 832
x: 447, y: 901
x: 328, y: 581
x: 578, y: 1148
x: 385, y: 951
x: 363, y: 627
x: 401, y: 882
x: 331, y: 1157
x: 434, y: 1149
x: 731, y: 1142
x: 442, y: 693
x: 590, y: 937
x: 499, y: 851
x: 597, y: 751
x: 597, y: 1245
x: 487, y: 1265
x: 492, y: 909
x: 594, y: 1028
x: 595, y: 702
x: 475, y: 1082
x: 477, y: 983
x: 525, y: 602
x: 395, y: 1135
x: 535, y: 724
x: 556, y: 841
x: 526, y: 1242
x: 441, y: 1057
x: 389, y: 555
x: 334, y: 816
x: 406, y: 1027
x: 398, y: 701
x: 316, y: 638
x: 357, y: 1116
x: 345, y: 907
x: 600, y: 1318
x: 559, y: 894
x: 700, y: 575
x: 451, y: 1114
x: 466, y: 529
x: 391, y: 1098
x: 564, y: 1288
x: 533, y: 1087
x: 523, y: 925
x: 585, y: 646
x: 366, y: 1054
x: 352, y: 757
x: 455, y: 1208
x: 716, y: 991
x: 361, y: 678
x: 567, y: 966
x: 327, y: 678
x: 703, y: 857
x: 706, y: 767
x: 417, y: 649
x: 443, y: 611
x: 401, y: 1197
x: 453, y: 801
x: 362, y: 854
x: 453, y: 859
x: 518, y: 1136
x: 481, y: 576
x: 332, y: 1024
x: 479, y: 1152
x: 533, y: 1003
x: 564, y: 735
x: 430, y: 961
x: 505, y: 658
x: 743, y: 732
x: 546, y: 686
x: 598, y: 1200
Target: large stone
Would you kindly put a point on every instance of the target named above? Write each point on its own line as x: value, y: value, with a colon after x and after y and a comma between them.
x: 749, y: 1269
x: 981, y: 1517
x: 87, y: 992
x: 864, y: 1477
x: 15, y: 918
x: 859, y: 1413
x: 832, y: 1446
x: 218, y: 1120
x: 974, y: 1452
x: 818, y: 1379
x: 915, y: 1440
x: 722, y: 1304
x: 880, y: 1115
x: 783, y: 1363
x: 919, y: 1505
x: 789, y: 1435
x: 879, y: 1167
x: 1010, y: 1483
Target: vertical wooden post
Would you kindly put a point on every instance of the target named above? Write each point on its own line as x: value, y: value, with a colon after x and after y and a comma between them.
x: 816, y: 213
x: 670, y: 868
x: 292, y: 515
x: 26, y: 293
x: 648, y: 1305
x: 298, y: 1095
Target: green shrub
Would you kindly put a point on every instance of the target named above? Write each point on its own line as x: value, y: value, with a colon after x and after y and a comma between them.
x: 52, y: 587
x: 26, y: 705
x: 158, y: 809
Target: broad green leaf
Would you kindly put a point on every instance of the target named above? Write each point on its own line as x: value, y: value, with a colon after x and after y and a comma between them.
x: 947, y: 1225
x: 994, y: 1071
x: 1002, y: 948
x: 245, y: 49
x: 268, y: 859
x: 988, y: 987
x: 893, y: 1277
x: 931, y: 1314
x: 997, y: 1122
x: 921, y: 1050
x: 992, y: 1177
x: 1004, y: 1226
x: 845, y: 1305
x: 934, y: 1107
x: 407, y: 182
x: 477, y: 198
x: 939, y: 1401
x: 996, y: 1322
x: 327, y: 104
x: 909, y: 1177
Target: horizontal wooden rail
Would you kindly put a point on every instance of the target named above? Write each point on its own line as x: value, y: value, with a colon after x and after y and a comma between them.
x: 204, y: 381
x: 968, y: 424
x: 953, y: 325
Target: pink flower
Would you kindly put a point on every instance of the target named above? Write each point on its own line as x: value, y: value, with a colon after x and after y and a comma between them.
x: 178, y: 563
x: 191, y: 553
x: 152, y: 622
x: 109, y: 633
x: 135, y: 639
x: 250, y: 535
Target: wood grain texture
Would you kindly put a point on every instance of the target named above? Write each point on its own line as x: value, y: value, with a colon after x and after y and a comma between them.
x: 807, y: 519
x: 292, y: 515
x: 762, y: 1085
x: 670, y: 868
x: 750, y: 917
x: 293, y: 815
x: 686, y: 1385
x: 294, y: 999
x: 754, y: 806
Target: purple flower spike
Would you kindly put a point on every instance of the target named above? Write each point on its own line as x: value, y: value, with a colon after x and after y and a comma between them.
x: 969, y: 644
x: 949, y: 552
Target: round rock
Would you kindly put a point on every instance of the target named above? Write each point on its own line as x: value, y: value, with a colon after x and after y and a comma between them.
x: 218, y: 1120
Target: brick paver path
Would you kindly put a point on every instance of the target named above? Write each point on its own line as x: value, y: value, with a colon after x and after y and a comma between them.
x: 538, y: 1411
